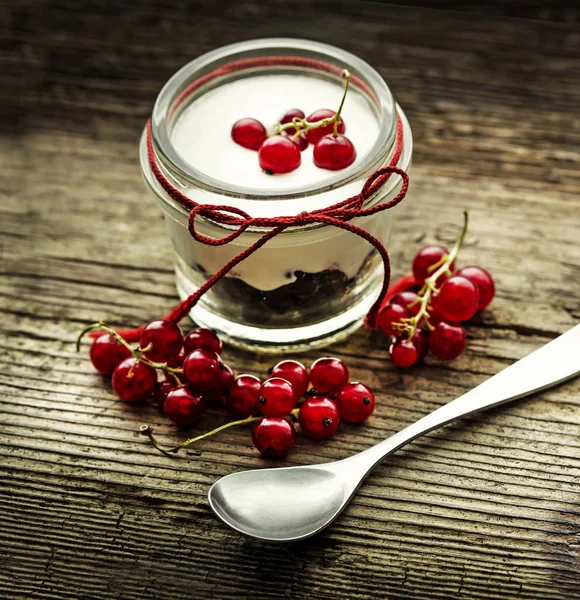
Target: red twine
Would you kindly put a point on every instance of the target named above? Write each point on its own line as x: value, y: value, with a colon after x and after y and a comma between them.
x: 336, y: 215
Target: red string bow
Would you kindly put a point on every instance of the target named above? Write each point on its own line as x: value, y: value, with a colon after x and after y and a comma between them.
x: 337, y: 215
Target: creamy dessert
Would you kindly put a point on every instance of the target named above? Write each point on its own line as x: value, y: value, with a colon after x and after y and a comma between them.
x: 202, y: 133
x: 308, y: 283
x: 202, y: 136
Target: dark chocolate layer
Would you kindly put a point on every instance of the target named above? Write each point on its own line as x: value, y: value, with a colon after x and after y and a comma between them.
x: 308, y: 299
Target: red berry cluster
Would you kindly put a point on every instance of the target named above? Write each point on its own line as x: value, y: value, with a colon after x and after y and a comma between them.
x: 427, y: 316
x: 281, y: 152
x: 194, y: 376
x: 330, y: 399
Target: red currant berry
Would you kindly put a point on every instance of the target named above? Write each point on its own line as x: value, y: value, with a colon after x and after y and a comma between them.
x: 277, y: 397
x: 295, y: 373
x: 328, y: 375
x: 319, y: 417
x: 389, y: 315
x: 333, y: 152
x: 176, y: 362
x: 403, y: 353
x: 420, y: 340
x: 163, y: 338
x: 219, y: 394
x: 408, y: 300
x: 355, y: 402
x: 293, y: 113
x: 457, y: 299
x: 202, y: 369
x: 425, y: 261
x: 227, y: 377
x: 133, y: 381
x: 202, y: 338
x: 180, y: 376
x: 279, y: 154
x: 484, y: 283
x: 106, y: 353
x: 249, y: 133
x: 435, y: 315
x: 162, y: 388
x: 243, y: 398
x: 273, y: 437
x: 314, y: 135
x: 301, y: 142
x: 447, y: 340
x: 183, y: 406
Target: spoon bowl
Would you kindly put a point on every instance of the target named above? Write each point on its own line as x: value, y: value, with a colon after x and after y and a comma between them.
x: 279, y: 505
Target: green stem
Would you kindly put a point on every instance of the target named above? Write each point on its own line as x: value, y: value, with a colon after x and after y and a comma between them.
x: 430, y: 287
x: 148, y: 431
x: 303, y: 126
x: 346, y: 76
x: 136, y: 353
x: 102, y: 325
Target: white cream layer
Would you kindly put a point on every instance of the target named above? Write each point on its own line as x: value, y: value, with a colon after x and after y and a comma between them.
x: 202, y: 133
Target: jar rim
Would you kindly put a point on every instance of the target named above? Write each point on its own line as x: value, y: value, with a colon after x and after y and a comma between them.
x: 176, y: 86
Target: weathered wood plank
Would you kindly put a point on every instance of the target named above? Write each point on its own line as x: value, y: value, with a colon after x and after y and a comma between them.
x: 483, y: 509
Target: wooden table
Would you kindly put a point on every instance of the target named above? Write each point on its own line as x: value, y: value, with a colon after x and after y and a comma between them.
x: 487, y: 508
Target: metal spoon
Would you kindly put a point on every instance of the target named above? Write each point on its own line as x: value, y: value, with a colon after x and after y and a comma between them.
x: 293, y: 503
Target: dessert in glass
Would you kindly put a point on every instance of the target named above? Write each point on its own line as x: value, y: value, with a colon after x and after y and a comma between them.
x: 313, y: 283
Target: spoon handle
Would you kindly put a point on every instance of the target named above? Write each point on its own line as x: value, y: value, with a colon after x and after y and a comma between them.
x: 553, y: 363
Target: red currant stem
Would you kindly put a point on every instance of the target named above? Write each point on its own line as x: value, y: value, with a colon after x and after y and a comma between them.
x: 303, y: 126
x: 432, y: 268
x: 415, y: 302
x: 102, y: 325
x: 430, y: 327
x: 172, y: 372
x: 346, y: 76
x: 444, y: 268
x: 148, y: 431
x: 430, y: 286
x: 136, y: 353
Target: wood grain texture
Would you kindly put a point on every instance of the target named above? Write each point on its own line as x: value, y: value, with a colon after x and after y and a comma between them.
x: 555, y: 10
x: 484, y: 509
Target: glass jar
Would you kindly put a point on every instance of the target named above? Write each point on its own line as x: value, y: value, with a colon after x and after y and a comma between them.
x: 310, y: 285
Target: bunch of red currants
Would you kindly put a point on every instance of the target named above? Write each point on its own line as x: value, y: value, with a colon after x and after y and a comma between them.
x: 424, y: 310
x: 281, y: 152
x: 195, y: 377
